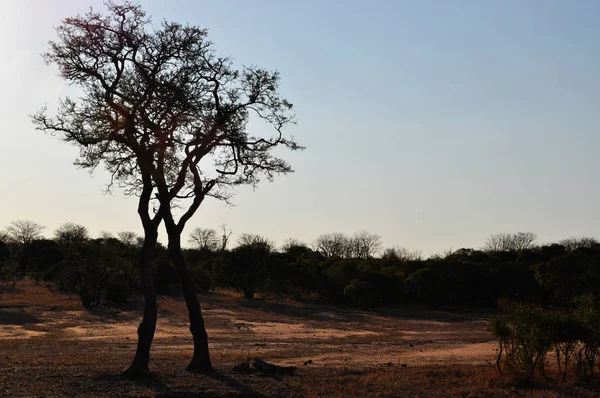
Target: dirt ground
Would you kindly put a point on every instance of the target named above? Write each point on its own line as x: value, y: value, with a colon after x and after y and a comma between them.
x: 51, y: 346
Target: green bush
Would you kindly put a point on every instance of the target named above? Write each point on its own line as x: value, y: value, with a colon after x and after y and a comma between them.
x: 245, y: 269
x: 528, y: 332
x: 121, y: 283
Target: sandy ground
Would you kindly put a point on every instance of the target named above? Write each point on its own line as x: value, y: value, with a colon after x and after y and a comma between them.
x: 326, y: 335
x: 51, y: 346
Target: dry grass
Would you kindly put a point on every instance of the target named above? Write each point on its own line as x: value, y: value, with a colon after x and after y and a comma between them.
x: 51, y: 346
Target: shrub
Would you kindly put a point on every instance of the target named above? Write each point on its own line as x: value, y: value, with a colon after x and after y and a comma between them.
x: 527, y: 332
x: 525, y: 337
x: 245, y: 269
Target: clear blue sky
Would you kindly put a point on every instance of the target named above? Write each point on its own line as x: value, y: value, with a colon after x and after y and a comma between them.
x: 432, y: 123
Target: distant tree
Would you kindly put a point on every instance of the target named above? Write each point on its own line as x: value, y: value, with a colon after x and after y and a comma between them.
x: 105, y: 235
x: 364, y: 245
x: 39, y: 256
x: 246, y: 266
x: 510, y: 242
x: 204, y: 239
x: 225, y: 235
x: 401, y: 254
x: 571, y: 244
x: 255, y: 240
x: 71, y: 234
x: 128, y: 238
x: 332, y: 245
x: 23, y: 232
x: 158, y: 104
x: 291, y: 243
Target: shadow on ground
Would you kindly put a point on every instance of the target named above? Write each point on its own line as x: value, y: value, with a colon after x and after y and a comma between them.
x: 230, y: 387
x: 309, y: 312
x: 17, y: 317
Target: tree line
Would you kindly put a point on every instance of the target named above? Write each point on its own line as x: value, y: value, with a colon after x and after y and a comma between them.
x: 546, y: 295
x: 335, y: 268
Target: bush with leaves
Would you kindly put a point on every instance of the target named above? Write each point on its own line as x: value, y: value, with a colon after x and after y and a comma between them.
x: 39, y: 256
x: 587, y: 314
x: 528, y: 332
x: 292, y: 273
x: 97, y: 270
x: 245, y: 269
x: 525, y: 334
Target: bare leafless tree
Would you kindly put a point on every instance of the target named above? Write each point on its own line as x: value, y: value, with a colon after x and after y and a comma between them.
x: 291, y: 243
x: 255, y: 240
x: 401, y: 254
x: 575, y: 243
x: 510, y: 241
x: 524, y: 240
x: 70, y: 234
x: 364, y: 244
x: 225, y: 236
x: 127, y: 237
x: 105, y: 235
x: 23, y: 232
x: 204, y: 239
x: 332, y: 245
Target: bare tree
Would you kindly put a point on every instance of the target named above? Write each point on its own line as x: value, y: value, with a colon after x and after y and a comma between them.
x: 401, y: 254
x: 105, y: 235
x: 332, y: 245
x: 225, y: 235
x: 204, y: 239
x: 524, y: 240
x: 23, y: 232
x: 571, y: 244
x: 510, y: 242
x: 70, y: 233
x: 498, y: 242
x: 255, y: 240
x: 364, y: 244
x: 127, y: 237
x: 158, y: 104
x: 291, y: 243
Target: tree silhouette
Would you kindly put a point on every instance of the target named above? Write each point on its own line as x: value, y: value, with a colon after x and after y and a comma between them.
x: 510, y: 242
x: 23, y: 232
x: 571, y: 244
x: 168, y: 118
x: 204, y: 239
x: 127, y: 237
x: 365, y: 244
x: 332, y: 245
x: 71, y: 234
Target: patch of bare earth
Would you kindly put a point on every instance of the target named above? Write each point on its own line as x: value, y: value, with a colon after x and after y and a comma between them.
x: 51, y: 346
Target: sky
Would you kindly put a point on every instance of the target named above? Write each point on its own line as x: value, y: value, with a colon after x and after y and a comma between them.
x: 431, y: 123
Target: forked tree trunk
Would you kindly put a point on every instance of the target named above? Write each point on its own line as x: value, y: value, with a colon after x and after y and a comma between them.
x: 139, y: 368
x: 201, y: 358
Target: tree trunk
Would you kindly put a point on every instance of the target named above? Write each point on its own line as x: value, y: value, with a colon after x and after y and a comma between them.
x: 139, y: 368
x: 201, y: 359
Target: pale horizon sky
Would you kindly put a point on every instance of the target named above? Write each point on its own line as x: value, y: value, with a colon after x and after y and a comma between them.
x: 433, y: 124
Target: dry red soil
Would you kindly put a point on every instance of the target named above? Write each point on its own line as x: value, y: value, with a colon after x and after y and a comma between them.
x: 51, y: 346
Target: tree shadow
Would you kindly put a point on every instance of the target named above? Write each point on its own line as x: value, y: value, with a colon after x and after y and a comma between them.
x: 8, y: 317
x: 242, y: 389
x: 328, y: 312
x: 163, y: 390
